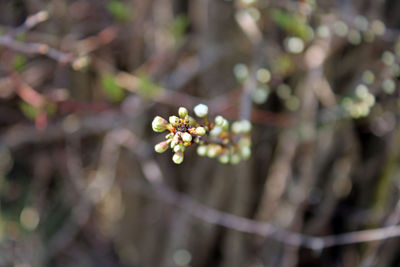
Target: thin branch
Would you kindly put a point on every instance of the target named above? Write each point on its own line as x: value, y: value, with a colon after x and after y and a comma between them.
x: 30, y: 22
x: 153, y: 175
x: 246, y: 225
x: 35, y: 48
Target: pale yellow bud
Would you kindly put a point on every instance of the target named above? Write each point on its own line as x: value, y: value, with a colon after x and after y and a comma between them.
x: 177, y: 158
x: 159, y: 124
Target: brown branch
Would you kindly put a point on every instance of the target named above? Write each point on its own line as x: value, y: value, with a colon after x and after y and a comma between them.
x: 35, y: 48
x: 86, y: 45
x: 263, y: 229
x: 153, y: 175
x: 30, y: 22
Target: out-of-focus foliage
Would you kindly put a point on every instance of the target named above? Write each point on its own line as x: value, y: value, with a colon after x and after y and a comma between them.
x: 111, y: 88
x: 119, y: 10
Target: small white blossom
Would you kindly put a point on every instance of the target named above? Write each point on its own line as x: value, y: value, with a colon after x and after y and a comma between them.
x: 201, y: 110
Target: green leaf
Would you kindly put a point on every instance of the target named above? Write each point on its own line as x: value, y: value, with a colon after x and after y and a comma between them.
x: 19, y: 62
x: 119, y: 10
x: 292, y: 23
x: 111, y: 89
x: 28, y: 110
x: 178, y: 28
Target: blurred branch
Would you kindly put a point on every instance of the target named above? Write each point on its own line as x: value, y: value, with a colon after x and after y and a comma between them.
x: 92, y: 194
x: 30, y: 22
x: 21, y: 135
x: 35, y: 48
x: 241, y: 224
x: 83, y: 47
x: 8, y: 40
x: 154, y: 176
x: 26, y: 92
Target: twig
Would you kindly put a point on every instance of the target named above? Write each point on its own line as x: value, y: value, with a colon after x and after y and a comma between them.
x: 246, y: 225
x: 35, y: 48
x: 30, y: 22
x: 153, y: 175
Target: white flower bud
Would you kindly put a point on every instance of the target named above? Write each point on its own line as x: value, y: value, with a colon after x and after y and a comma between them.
x: 224, y: 158
x: 244, y: 141
x: 177, y: 158
x: 243, y: 126
x: 216, y: 131
x: 174, y: 120
x: 235, y: 159
x: 246, y: 126
x: 159, y: 124
x: 225, y: 124
x: 186, y: 137
x: 245, y: 152
x: 212, y: 151
x: 183, y: 112
x: 201, y: 110
x: 201, y: 150
x: 219, y: 120
x: 236, y: 127
x: 177, y: 148
x: 161, y: 147
x: 200, y: 131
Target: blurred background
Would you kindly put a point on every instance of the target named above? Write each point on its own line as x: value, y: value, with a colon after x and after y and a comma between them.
x: 81, y: 81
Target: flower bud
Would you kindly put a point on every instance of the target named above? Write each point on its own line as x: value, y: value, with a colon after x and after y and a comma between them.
x: 159, y: 124
x: 177, y: 158
x: 244, y: 141
x: 212, y: 151
x: 243, y: 126
x: 216, y: 131
x: 200, y: 131
x: 174, y: 120
x: 177, y: 148
x: 235, y: 159
x: 246, y: 126
x: 236, y: 127
x: 161, y: 147
x: 224, y: 158
x: 201, y: 110
x: 201, y: 150
x: 225, y: 124
x: 245, y: 152
x: 219, y: 120
x: 183, y: 112
x: 186, y: 137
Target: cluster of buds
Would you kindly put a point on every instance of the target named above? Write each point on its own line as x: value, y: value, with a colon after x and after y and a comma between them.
x: 230, y: 144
